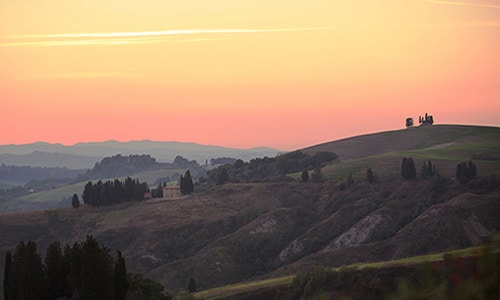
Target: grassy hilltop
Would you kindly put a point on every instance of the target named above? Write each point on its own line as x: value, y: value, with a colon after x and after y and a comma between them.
x: 242, y: 231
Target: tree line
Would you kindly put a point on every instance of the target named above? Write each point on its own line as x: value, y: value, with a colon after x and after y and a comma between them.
x: 464, y: 171
x: 85, y: 270
x: 114, y: 192
x: 119, y: 165
x: 261, y: 168
x: 27, y: 173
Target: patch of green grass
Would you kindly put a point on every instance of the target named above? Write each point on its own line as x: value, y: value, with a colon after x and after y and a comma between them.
x: 456, y: 151
x: 235, y: 289
x: 388, y: 165
x: 240, y: 288
x: 55, y: 195
x: 414, y: 259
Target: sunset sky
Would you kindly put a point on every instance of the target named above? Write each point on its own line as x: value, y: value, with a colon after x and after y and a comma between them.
x: 285, y: 74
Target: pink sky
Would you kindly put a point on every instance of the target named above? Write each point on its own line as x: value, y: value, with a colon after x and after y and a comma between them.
x: 286, y: 74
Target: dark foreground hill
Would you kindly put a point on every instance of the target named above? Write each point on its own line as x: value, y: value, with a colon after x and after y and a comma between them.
x: 237, y: 232
x: 240, y: 231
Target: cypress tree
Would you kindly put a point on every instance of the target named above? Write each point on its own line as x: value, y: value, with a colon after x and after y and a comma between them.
x: 97, y: 272
x: 305, y: 176
x: 222, y: 176
x: 27, y: 276
x: 7, y: 284
x: 370, y: 176
x: 408, y: 170
x: 54, y: 272
x: 87, y: 193
x: 75, y: 202
x: 462, y: 173
x: 317, y: 175
x: 350, y: 181
x: 187, y: 186
x: 76, y: 269
x: 428, y: 169
x: 129, y: 188
x: 472, y: 169
x: 121, y: 284
x: 97, y: 194
x: 192, y: 285
x: 66, y: 288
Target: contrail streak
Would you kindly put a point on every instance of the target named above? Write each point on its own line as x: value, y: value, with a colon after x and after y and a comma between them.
x: 462, y: 3
x: 127, y: 37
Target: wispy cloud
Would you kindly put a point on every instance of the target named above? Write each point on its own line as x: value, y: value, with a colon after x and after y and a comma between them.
x: 464, y: 24
x: 73, y: 75
x: 129, y: 37
x: 466, y: 3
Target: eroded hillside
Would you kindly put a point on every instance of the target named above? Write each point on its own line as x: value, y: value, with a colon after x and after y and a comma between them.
x: 240, y: 231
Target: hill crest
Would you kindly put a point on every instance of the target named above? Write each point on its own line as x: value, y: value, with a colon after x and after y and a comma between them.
x: 405, y: 139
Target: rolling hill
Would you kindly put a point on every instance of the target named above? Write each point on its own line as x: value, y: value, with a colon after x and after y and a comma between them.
x: 275, y: 227
x: 482, y: 139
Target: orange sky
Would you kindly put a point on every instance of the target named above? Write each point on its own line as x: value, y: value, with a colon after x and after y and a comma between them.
x: 285, y: 74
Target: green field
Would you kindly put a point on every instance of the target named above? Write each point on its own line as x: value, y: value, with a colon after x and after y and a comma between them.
x: 57, y: 194
x: 284, y: 282
x: 444, y: 156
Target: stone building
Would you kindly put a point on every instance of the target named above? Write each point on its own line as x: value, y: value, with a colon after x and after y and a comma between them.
x: 171, y: 191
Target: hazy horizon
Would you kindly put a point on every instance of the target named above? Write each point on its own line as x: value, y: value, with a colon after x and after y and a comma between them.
x: 229, y: 146
x: 286, y: 74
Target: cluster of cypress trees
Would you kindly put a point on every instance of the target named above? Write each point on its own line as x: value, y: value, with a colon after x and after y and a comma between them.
x: 82, y: 271
x: 428, y: 170
x: 114, y: 192
x: 465, y: 172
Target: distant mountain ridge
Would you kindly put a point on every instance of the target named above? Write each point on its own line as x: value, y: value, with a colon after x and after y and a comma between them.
x: 85, y: 155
